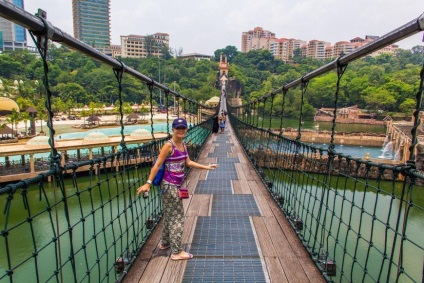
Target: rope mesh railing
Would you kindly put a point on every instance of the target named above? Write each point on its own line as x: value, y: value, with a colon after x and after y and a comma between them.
x: 353, y: 217
x: 361, y: 221
x: 82, y: 221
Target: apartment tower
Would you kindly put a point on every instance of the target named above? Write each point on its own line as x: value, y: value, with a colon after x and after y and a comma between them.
x: 256, y: 39
x: 92, y: 22
x: 12, y: 36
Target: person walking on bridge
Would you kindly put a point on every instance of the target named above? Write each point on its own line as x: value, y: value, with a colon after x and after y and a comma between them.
x: 223, y: 119
x: 174, y: 154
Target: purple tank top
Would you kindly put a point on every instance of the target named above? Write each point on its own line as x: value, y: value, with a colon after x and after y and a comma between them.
x: 175, y: 166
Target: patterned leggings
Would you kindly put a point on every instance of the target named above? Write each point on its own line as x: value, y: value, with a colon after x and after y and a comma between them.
x: 173, y: 222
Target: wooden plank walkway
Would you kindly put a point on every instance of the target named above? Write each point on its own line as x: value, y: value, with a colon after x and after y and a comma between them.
x: 281, y: 253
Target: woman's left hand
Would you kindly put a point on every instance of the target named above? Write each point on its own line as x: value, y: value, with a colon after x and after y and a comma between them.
x: 212, y: 166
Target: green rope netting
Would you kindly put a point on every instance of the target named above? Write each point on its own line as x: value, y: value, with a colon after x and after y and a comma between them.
x: 358, y: 219
x: 81, y: 220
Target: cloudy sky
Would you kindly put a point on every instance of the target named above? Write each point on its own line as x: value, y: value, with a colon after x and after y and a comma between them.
x: 202, y: 26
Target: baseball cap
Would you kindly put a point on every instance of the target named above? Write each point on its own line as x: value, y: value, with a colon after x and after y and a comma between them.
x: 179, y: 122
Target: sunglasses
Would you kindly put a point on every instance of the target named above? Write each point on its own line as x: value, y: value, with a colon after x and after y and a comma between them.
x: 181, y: 128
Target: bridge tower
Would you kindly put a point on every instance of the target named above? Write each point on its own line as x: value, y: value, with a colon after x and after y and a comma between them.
x: 224, y: 67
x: 227, y: 83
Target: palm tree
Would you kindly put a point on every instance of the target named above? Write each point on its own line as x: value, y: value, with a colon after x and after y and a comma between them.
x: 25, y: 117
x: 42, y: 115
x: 13, y: 118
x: 84, y: 113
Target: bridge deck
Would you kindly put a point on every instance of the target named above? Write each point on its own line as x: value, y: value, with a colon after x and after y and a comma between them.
x: 233, y: 227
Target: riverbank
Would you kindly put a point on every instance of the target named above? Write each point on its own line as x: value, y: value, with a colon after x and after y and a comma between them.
x: 354, y: 139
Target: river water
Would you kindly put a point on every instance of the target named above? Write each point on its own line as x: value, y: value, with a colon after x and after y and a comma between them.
x: 360, y: 223
x: 102, y: 215
x: 93, y: 206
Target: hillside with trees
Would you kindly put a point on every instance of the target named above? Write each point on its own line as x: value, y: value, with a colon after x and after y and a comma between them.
x: 387, y: 82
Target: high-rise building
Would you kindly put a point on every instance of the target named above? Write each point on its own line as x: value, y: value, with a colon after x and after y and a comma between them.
x: 12, y: 36
x: 92, y: 22
x: 140, y: 46
x: 256, y: 39
x: 287, y: 49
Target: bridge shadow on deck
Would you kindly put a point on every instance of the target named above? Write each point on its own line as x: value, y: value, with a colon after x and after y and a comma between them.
x: 233, y: 227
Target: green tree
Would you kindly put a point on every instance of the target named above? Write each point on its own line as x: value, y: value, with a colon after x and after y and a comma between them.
x: 71, y: 91
x: 10, y: 68
x: 13, y: 120
x: 408, y: 106
x: 24, y: 116
x: 230, y: 52
x: 378, y: 98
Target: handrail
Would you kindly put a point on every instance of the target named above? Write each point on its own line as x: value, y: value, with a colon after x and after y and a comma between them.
x: 36, y: 25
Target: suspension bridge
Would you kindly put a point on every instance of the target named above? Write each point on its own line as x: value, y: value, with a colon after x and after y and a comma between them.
x: 295, y: 213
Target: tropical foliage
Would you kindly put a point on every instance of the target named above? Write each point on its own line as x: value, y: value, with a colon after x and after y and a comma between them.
x: 386, y: 82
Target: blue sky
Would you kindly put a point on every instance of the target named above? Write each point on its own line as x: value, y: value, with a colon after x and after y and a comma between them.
x: 202, y: 26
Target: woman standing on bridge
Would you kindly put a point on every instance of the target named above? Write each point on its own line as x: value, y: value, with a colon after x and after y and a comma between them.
x: 174, y: 154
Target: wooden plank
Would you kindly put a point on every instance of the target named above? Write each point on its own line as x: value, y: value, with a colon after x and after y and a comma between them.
x: 293, y: 270
x: 189, y: 226
x: 160, y: 262
x: 199, y: 205
x: 195, y: 204
x: 143, y: 258
x: 157, y: 266
x: 255, y: 175
x: 237, y: 187
x: 292, y: 267
x: 313, y: 272
x: 254, y: 188
x: 242, y: 157
x: 203, y: 175
x: 290, y: 233
x: 263, y: 236
x: 205, y: 205
x: 174, y: 271
x: 275, y: 270
x: 258, y: 187
x: 233, y: 154
x: 278, y: 238
x: 262, y: 202
x: 244, y: 185
x: 247, y: 168
x: 298, y: 249
x: 186, y: 203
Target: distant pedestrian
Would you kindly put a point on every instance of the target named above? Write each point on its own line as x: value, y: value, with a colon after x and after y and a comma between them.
x: 222, y: 125
x: 223, y: 118
x: 215, y: 127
